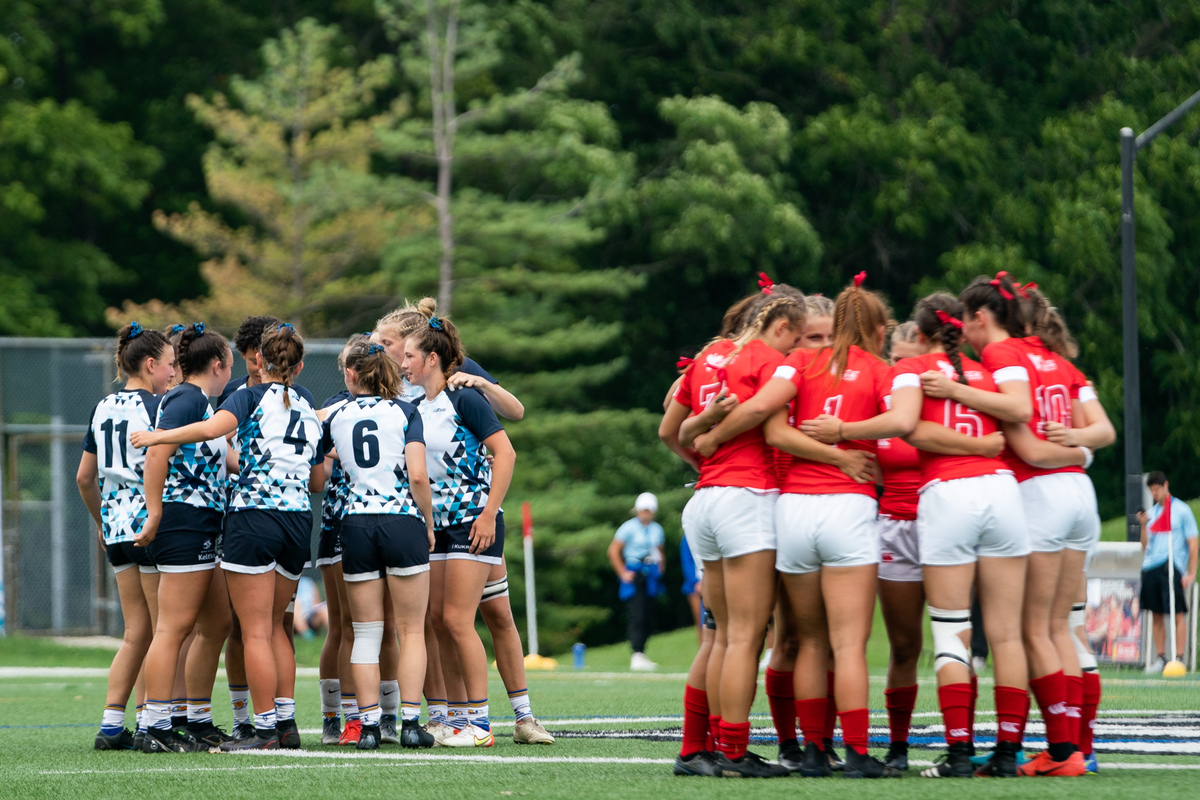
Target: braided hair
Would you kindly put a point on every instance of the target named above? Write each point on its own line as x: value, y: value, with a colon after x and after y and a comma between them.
x: 945, y: 333
x: 858, y: 314
x: 766, y: 312
x: 282, y: 349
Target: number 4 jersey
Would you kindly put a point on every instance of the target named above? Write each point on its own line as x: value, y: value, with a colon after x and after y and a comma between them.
x: 955, y: 416
x: 121, y: 465
x: 370, y: 434
x: 279, y: 445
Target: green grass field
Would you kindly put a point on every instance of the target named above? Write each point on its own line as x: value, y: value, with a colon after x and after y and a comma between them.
x: 48, y: 717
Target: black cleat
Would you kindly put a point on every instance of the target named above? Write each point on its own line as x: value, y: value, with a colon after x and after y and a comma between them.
x: 288, y: 734
x: 813, y: 762
x: 954, y: 763
x: 157, y: 740
x: 369, y: 738
x: 413, y: 735
x: 1003, y: 762
x: 208, y: 734
x: 748, y: 766
x: 866, y: 766
x: 698, y: 763
x: 261, y: 740
x: 835, y: 762
x: 138, y: 738
x: 897, y: 756
x: 179, y: 723
x: 120, y: 741
x: 243, y: 730
x: 791, y: 755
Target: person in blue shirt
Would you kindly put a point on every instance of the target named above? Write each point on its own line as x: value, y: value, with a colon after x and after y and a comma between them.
x: 1169, y: 526
x: 691, y: 585
x: 636, y: 555
x: 110, y: 482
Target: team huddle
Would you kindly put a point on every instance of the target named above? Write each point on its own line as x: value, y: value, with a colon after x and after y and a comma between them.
x: 793, y: 418
x: 206, y: 519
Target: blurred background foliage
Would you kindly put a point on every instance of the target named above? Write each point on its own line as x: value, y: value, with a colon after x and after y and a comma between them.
x: 621, y: 171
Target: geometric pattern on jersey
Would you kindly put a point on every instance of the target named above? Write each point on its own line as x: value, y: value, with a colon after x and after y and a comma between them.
x: 121, y: 465
x: 196, y: 472
x: 278, y: 447
x: 370, y: 434
x: 456, y: 423
x: 333, y: 505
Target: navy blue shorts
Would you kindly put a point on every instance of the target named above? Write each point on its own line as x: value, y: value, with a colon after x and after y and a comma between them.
x: 455, y: 542
x: 258, y: 541
x: 188, y: 539
x: 376, y: 543
x: 329, y: 546
x: 124, y: 555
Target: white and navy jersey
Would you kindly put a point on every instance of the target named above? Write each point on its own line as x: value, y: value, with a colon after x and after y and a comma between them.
x: 370, y: 434
x: 121, y: 465
x: 334, y: 503
x: 230, y: 388
x: 413, y: 394
x: 456, y: 423
x: 278, y: 447
x: 196, y: 472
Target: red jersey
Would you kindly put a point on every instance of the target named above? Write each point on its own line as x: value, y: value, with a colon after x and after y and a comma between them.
x: 860, y: 393
x: 901, y: 465
x: 745, y: 460
x: 935, y: 466
x: 1053, y: 383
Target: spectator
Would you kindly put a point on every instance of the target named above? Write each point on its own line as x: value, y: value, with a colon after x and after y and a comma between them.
x: 691, y: 585
x: 1169, y: 527
x: 636, y: 555
x: 312, y: 616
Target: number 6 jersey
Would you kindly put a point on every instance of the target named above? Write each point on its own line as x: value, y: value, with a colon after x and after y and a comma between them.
x: 121, y: 465
x: 279, y: 445
x: 370, y: 434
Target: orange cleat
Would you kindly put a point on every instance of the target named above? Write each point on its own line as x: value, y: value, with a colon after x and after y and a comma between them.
x: 351, y: 733
x: 1042, y: 766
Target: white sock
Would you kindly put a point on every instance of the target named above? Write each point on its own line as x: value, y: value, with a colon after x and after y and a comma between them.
x: 477, y: 714
x: 331, y: 696
x: 285, y: 709
x: 141, y: 717
x: 520, y: 704
x: 371, y: 714
x: 456, y: 716
x: 265, y: 722
x: 389, y: 698
x: 114, y: 717
x: 438, y: 710
x: 239, y: 698
x: 199, y: 711
x: 179, y: 708
x: 410, y: 711
x: 350, y: 707
x: 158, y: 715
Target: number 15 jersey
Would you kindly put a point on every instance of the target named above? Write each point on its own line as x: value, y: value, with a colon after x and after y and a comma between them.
x: 370, y: 434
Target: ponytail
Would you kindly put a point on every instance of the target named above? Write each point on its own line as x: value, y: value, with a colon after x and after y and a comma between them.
x: 439, y: 335
x: 939, y: 318
x: 282, y: 349
x: 1046, y: 323
x: 377, y: 373
x: 999, y: 295
x: 135, y: 344
x: 198, y: 348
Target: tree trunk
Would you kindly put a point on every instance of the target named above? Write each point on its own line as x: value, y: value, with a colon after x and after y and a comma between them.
x: 441, y: 84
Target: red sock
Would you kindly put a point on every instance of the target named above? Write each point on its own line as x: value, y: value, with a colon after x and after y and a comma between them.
x: 1087, y: 712
x: 955, y: 701
x: 900, y: 704
x: 1074, y: 706
x: 695, y: 720
x: 811, y: 714
x: 854, y: 729
x: 1011, y: 707
x: 1050, y: 691
x: 781, y: 697
x: 830, y: 708
x: 735, y: 736
x: 974, y: 699
x: 1025, y: 716
x: 714, y: 730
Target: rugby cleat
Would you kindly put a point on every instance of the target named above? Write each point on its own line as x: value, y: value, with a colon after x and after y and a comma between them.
x: 897, y: 756
x: 530, y: 731
x: 118, y: 741
x: 288, y: 734
x: 158, y: 740
x: 698, y: 763
x: 954, y: 763
x: 439, y: 731
x: 413, y: 735
x: 138, y: 738
x: 1043, y: 767
x: 1093, y: 766
x: 368, y: 738
x: 1002, y: 763
x: 243, y: 730
x: 980, y: 760
x: 749, y: 765
x: 331, y: 730
x: 813, y: 762
x: 266, y: 740
x: 470, y: 736
x: 790, y: 755
x: 387, y: 730
x: 866, y: 766
x: 208, y: 735
x: 351, y: 732
x: 835, y: 762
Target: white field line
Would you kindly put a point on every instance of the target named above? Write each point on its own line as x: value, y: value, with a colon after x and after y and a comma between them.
x: 177, y: 770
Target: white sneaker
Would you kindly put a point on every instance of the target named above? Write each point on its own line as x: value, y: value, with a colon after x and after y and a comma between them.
x: 639, y: 663
x: 439, y: 731
x: 979, y: 664
x: 470, y: 736
x: 530, y: 731
x: 1155, y: 667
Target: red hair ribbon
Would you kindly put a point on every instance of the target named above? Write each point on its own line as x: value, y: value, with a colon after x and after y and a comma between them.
x: 859, y: 278
x: 722, y: 375
x: 1005, y: 293
x: 684, y: 362
x: 946, y: 319
x: 1024, y: 290
x: 765, y: 283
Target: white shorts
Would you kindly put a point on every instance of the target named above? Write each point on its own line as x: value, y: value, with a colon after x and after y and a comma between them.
x: 825, y: 530
x: 729, y: 521
x: 960, y: 520
x: 1061, y: 511
x: 899, y: 550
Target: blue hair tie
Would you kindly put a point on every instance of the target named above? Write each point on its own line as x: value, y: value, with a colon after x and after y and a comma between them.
x: 199, y: 326
x: 283, y: 325
x: 373, y: 349
x: 367, y: 333
x: 135, y: 330
x: 436, y: 324
x: 177, y: 328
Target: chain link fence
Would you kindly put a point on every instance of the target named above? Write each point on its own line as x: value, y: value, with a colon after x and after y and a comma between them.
x: 53, y: 576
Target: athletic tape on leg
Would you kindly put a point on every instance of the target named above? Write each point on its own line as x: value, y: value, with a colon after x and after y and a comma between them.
x: 494, y: 589
x: 368, y: 638
x: 948, y: 648
x: 1075, y: 621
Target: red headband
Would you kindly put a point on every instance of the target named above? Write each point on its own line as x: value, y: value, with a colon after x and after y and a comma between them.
x: 859, y: 278
x: 765, y: 283
x: 684, y: 362
x: 946, y: 319
x: 1024, y: 290
x: 1005, y: 293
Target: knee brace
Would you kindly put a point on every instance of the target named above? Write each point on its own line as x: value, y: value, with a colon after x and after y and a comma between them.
x: 368, y: 638
x: 948, y: 648
x: 1075, y: 621
x: 494, y: 589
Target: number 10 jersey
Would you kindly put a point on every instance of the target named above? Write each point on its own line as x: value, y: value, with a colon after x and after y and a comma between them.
x: 370, y: 434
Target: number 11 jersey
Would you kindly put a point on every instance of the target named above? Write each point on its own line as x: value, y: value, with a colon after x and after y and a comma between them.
x: 370, y: 434
x: 121, y: 465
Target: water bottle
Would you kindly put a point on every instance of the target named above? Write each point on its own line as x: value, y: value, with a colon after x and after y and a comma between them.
x: 577, y: 651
